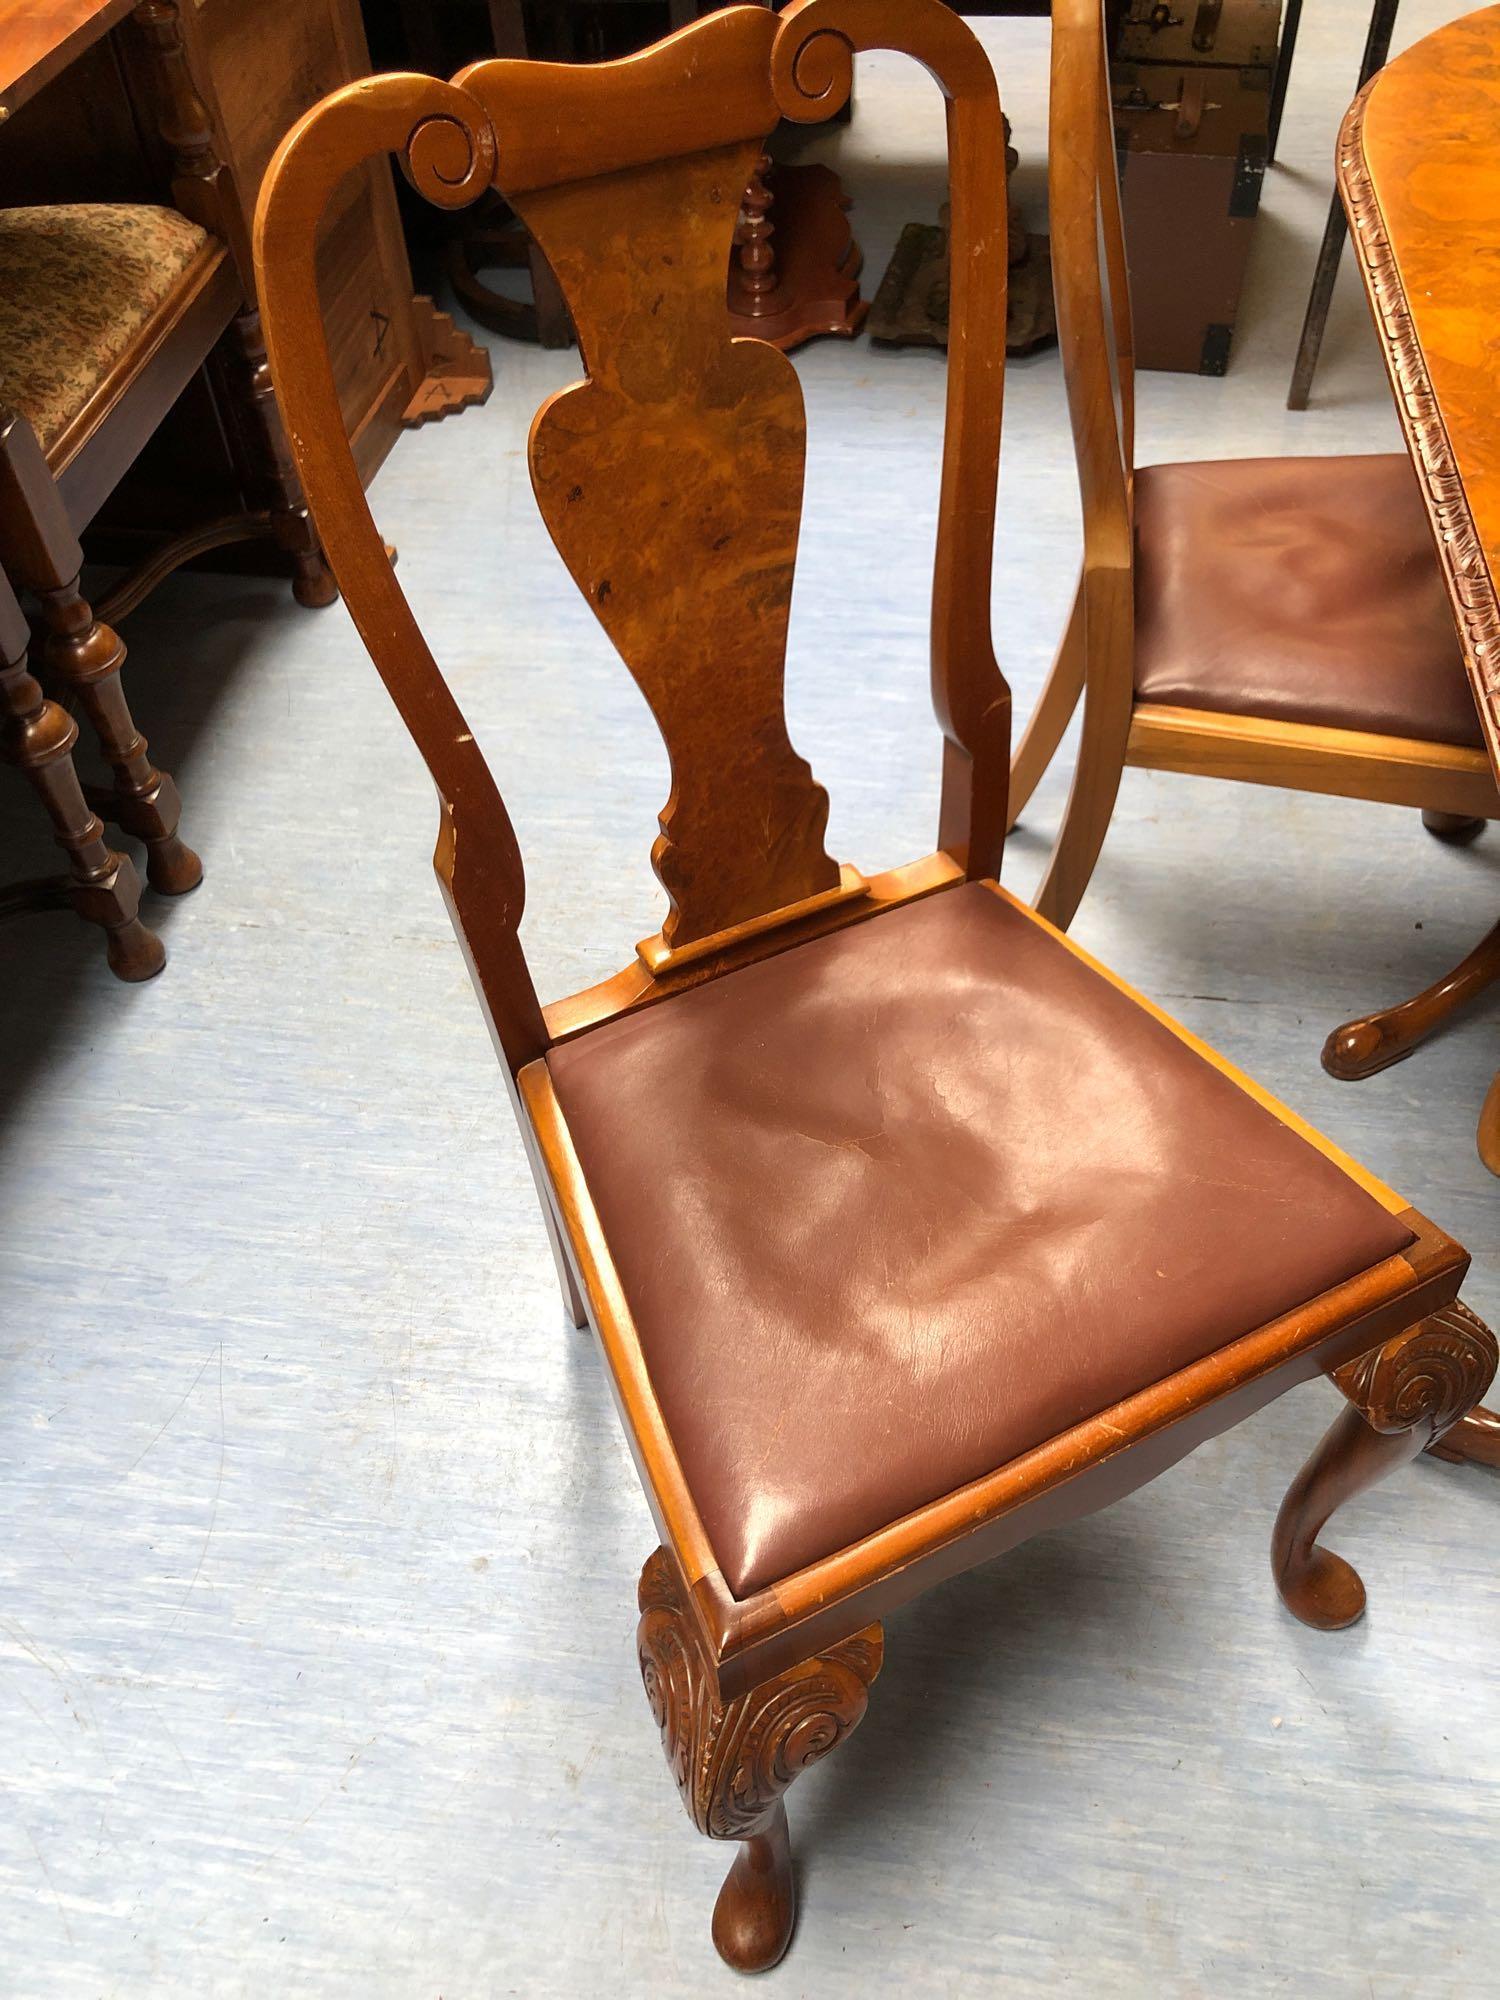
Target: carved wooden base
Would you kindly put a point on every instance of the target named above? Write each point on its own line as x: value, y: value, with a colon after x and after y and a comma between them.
x: 457, y: 373
x: 733, y: 1760
x: 811, y: 284
x: 1403, y: 1396
x: 1374, y: 1042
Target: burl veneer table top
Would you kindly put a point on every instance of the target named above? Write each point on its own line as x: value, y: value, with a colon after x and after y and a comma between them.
x: 39, y: 38
x: 1419, y: 171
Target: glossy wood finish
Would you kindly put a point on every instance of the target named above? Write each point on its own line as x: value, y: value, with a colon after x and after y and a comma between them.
x: 40, y: 38
x: 733, y: 1760
x: 1449, y: 784
x: 1094, y: 327
x: 38, y: 738
x: 1419, y: 173
x: 1364, y: 1047
x: 585, y: 155
x: 1403, y: 1397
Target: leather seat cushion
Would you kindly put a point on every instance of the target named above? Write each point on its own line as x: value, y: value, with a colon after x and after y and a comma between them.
x: 1300, y: 589
x: 77, y: 284
x: 898, y: 1204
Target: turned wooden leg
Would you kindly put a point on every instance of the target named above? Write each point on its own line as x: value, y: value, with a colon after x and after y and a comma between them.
x: 87, y: 655
x: 271, y: 459
x: 38, y: 738
x: 1375, y: 1041
x: 1457, y: 829
x: 733, y: 1760
x: 1402, y: 1397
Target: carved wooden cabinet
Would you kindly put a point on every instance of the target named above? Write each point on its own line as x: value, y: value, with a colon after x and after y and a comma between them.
x: 259, y: 64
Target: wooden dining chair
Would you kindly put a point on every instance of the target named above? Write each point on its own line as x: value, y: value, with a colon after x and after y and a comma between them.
x: 902, y: 1224
x: 1281, y: 621
x: 106, y: 311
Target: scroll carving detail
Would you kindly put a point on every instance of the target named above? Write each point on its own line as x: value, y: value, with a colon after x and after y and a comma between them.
x: 1471, y: 587
x: 1430, y: 1376
x: 733, y: 1761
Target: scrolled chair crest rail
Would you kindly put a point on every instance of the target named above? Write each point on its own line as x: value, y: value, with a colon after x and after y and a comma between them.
x: 812, y: 71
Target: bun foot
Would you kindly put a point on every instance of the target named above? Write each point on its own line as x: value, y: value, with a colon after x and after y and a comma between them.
x: 1323, y: 1591
x: 135, y: 954
x: 172, y: 868
x: 757, y: 1906
x: 312, y: 582
x: 1358, y: 1049
x: 1457, y: 829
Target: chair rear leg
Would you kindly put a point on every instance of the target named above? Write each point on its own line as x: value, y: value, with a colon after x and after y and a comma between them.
x: 87, y: 656
x: 1403, y: 1396
x: 733, y: 1760
x: 1051, y: 716
x: 1107, y: 707
x: 38, y: 738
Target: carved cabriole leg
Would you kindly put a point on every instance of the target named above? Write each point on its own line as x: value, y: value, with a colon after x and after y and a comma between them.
x: 733, y: 1760
x: 1403, y: 1396
x: 87, y: 656
x: 38, y: 738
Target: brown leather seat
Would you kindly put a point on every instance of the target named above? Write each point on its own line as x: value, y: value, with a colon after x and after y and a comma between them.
x: 897, y: 1205
x: 1299, y: 589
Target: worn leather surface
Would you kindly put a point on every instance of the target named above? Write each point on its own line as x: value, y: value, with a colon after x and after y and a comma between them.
x: 896, y: 1205
x: 1303, y: 589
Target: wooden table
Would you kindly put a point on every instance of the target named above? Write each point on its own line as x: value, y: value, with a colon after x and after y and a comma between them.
x: 1419, y: 172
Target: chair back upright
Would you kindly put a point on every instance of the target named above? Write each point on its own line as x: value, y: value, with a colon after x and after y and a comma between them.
x: 671, y: 477
x: 1089, y: 278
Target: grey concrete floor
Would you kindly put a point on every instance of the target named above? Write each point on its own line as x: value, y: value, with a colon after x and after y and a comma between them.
x: 316, y: 1662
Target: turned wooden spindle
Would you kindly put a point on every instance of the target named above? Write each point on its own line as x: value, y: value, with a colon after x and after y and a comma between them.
x: 38, y: 737
x: 753, y: 275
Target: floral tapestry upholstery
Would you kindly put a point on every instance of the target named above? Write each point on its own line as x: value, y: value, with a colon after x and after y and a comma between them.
x: 77, y: 284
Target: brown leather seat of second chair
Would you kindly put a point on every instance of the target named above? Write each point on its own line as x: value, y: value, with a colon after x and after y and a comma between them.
x: 896, y: 1205
x: 1300, y: 589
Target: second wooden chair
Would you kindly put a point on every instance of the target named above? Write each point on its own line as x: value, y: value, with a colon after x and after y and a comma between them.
x: 1281, y: 621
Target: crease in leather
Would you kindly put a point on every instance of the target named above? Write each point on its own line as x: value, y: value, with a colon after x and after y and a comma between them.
x: 1299, y: 590
x: 896, y: 1205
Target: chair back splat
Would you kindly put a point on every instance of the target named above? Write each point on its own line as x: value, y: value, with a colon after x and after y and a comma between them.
x: 671, y: 477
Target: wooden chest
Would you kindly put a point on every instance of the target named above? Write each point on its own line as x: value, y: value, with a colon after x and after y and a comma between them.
x: 1191, y: 145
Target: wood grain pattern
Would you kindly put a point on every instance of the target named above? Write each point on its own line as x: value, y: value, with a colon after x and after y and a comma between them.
x: 1095, y: 335
x: 671, y: 482
x: 742, y: 1686
x: 734, y: 1760
x: 1419, y: 171
x: 1403, y: 1396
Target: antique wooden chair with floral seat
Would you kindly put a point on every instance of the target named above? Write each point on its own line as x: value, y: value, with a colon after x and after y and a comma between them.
x: 1282, y: 621
x: 902, y: 1224
x: 106, y: 311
